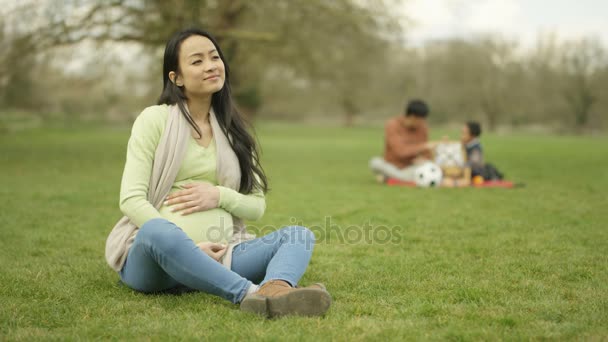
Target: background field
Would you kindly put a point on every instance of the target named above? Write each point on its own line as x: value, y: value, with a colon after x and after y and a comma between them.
x: 488, y: 264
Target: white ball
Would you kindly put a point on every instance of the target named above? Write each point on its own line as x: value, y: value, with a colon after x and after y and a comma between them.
x: 428, y: 175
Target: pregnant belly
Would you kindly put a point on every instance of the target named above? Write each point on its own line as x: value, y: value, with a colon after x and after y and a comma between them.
x: 213, y: 225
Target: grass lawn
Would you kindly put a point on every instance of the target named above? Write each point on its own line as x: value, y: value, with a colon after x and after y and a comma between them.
x: 400, y: 263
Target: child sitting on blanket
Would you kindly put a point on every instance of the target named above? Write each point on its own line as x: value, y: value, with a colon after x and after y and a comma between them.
x: 471, y: 132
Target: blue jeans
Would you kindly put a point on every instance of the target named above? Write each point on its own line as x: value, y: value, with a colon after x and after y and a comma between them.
x: 163, y: 257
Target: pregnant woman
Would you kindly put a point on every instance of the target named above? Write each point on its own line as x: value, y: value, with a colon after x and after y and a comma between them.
x: 191, y: 176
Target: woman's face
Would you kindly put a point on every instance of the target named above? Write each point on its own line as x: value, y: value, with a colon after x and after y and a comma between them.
x: 202, y: 70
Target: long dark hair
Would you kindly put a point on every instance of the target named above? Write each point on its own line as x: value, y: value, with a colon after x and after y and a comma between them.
x: 230, y: 120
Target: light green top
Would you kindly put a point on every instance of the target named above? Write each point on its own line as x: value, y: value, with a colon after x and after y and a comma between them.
x: 199, y: 165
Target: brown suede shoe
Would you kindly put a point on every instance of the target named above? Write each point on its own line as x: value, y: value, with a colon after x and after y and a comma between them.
x: 319, y: 286
x: 277, y: 298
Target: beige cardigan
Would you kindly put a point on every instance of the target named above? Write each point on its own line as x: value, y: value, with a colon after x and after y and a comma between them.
x: 167, y: 162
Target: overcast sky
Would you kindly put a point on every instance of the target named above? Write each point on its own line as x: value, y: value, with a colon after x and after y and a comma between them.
x: 520, y: 19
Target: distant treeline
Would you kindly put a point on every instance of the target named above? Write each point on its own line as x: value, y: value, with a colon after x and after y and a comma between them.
x: 341, y: 60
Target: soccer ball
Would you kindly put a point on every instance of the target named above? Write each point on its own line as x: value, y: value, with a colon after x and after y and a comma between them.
x: 428, y: 175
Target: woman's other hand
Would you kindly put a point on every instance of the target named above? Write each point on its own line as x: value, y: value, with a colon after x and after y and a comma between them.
x: 195, y: 197
x: 212, y: 249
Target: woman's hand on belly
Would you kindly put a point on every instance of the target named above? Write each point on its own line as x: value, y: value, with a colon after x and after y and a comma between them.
x: 195, y: 197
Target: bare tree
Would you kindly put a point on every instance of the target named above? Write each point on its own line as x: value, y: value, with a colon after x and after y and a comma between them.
x: 18, y: 55
x: 582, y: 61
x: 314, y: 38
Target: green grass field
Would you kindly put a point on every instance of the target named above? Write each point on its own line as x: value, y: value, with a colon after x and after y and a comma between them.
x: 448, y: 264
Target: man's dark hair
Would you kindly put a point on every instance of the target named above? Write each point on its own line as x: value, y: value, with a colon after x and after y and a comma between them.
x: 417, y: 108
x: 474, y: 128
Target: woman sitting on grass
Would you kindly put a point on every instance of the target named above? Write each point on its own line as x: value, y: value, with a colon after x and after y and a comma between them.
x: 192, y: 174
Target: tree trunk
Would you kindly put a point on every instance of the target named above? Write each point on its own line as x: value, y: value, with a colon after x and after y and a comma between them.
x: 491, y: 110
x: 586, y: 100
x: 350, y: 111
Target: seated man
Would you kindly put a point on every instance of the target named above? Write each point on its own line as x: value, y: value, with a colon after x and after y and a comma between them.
x: 406, y: 144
